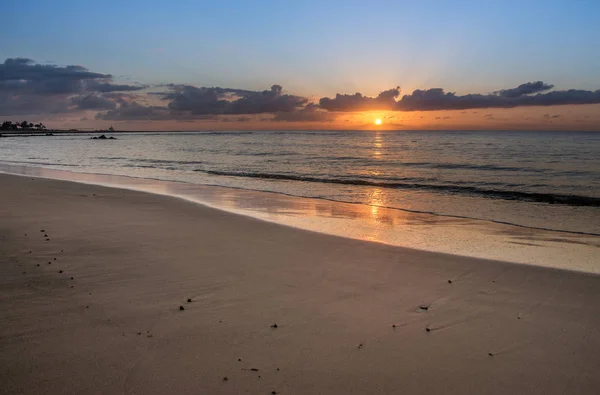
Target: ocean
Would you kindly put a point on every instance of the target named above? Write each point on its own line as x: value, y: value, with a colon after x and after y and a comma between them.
x: 530, y: 180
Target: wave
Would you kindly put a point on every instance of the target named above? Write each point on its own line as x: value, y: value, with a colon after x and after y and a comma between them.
x: 536, y: 197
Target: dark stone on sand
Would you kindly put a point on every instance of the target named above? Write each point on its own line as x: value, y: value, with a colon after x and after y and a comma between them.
x: 38, y: 264
x: 424, y: 307
x: 47, y: 239
x: 449, y: 281
x: 139, y: 333
x: 71, y: 286
x: 254, y: 369
x: 87, y: 307
x: 60, y: 271
x: 393, y: 326
x: 273, y: 392
x: 42, y: 230
x: 30, y: 252
x: 274, y: 326
x: 490, y: 354
x: 103, y: 137
x: 54, y: 258
x: 427, y: 329
x: 72, y: 278
x: 225, y: 378
x: 181, y: 308
x: 46, y: 235
x: 278, y: 369
x: 239, y: 359
x: 49, y: 263
x: 189, y: 300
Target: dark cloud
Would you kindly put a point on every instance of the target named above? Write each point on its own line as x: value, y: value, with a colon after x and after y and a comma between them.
x: 437, y: 99
x: 134, y: 111
x: 386, y: 100
x: 30, y: 88
x: 310, y: 113
x: 225, y: 101
x: 525, y: 89
x: 93, y: 102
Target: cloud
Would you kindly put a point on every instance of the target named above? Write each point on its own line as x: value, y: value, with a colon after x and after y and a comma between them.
x: 310, y: 113
x: 93, y: 102
x: 134, y: 111
x: 30, y: 88
x: 227, y: 101
x: 525, y: 89
x: 436, y: 99
x: 386, y: 100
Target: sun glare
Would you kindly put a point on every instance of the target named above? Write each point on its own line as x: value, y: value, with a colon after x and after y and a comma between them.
x: 378, y: 121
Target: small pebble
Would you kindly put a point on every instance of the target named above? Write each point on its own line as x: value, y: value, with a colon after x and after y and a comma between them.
x: 42, y: 230
x: 87, y: 307
x: 189, y: 300
x: 60, y: 271
x: 449, y: 281
x: 490, y: 354
x: 427, y: 329
x: 359, y: 346
x: 54, y: 258
x: 71, y: 278
x: 181, y: 308
x: 38, y: 264
x: 71, y: 286
x: 225, y: 378
x: 274, y: 326
x: 239, y: 359
x: 393, y: 326
x: 278, y: 369
x: 139, y: 333
x: 254, y: 370
x: 273, y: 392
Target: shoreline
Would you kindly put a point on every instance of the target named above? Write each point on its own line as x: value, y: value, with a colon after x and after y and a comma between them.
x: 478, y: 238
x: 352, y: 316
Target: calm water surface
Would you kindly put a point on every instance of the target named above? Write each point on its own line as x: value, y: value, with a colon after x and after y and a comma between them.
x: 546, y: 180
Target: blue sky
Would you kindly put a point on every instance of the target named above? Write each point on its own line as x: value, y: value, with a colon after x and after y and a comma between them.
x: 316, y: 47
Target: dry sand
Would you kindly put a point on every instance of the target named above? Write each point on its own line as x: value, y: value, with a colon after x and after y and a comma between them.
x: 104, y: 316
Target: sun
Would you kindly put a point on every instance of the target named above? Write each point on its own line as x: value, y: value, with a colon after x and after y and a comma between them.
x: 378, y: 121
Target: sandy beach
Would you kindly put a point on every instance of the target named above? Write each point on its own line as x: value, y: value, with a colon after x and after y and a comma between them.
x: 108, y: 291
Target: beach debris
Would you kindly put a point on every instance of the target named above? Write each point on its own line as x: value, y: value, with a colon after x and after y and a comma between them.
x: 250, y: 370
x: 225, y: 378
x: 424, y: 307
x: 181, y: 308
x: 189, y: 300
x: 274, y: 326
x: 360, y: 346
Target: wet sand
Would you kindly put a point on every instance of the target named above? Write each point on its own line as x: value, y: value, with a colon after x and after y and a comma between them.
x: 114, y: 291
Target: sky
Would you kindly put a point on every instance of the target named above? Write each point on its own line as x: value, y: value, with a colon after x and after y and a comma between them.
x: 196, y: 65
